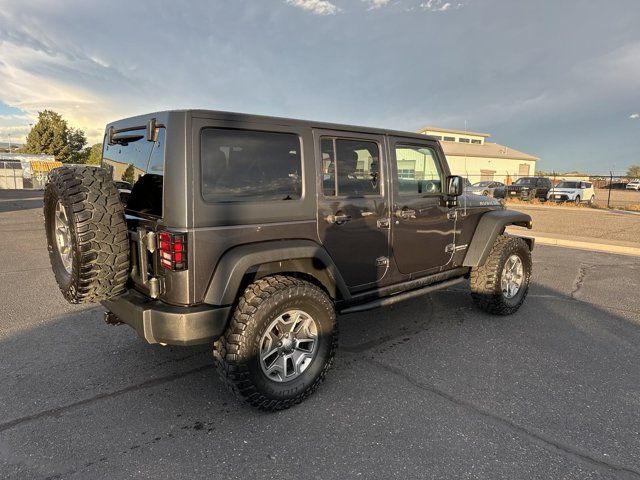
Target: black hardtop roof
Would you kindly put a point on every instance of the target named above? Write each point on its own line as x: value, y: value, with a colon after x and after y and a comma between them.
x: 161, y: 116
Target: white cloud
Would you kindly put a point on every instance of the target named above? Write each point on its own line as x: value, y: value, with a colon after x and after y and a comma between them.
x: 317, y: 7
x: 634, y: 116
x: 437, y: 5
x: 373, y: 4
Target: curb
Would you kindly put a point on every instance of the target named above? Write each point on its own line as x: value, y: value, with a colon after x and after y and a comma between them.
x: 517, y: 206
x: 580, y: 245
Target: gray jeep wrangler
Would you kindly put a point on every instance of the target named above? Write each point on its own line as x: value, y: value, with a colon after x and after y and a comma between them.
x: 251, y: 233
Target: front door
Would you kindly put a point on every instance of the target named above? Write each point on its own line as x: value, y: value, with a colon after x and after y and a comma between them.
x: 353, y: 208
x: 423, y: 225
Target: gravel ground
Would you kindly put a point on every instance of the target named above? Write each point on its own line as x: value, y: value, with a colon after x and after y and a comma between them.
x: 582, y: 222
x: 619, y: 197
x: 431, y: 388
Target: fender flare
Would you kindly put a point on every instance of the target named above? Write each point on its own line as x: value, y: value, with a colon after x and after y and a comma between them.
x: 304, y: 256
x: 491, y: 225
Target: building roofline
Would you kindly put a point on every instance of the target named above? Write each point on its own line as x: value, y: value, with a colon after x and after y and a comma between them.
x: 451, y: 130
x: 487, y: 150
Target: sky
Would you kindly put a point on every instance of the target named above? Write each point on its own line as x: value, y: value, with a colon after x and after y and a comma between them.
x: 559, y: 79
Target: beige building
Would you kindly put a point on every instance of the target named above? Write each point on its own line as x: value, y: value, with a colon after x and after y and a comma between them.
x: 470, y: 155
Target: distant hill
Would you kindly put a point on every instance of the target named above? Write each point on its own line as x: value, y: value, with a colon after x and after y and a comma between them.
x: 5, y: 145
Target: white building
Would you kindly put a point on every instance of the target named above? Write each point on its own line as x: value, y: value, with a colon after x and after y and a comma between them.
x: 470, y: 155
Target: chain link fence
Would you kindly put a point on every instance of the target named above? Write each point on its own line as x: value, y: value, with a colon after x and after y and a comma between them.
x: 17, y: 175
x: 610, y: 188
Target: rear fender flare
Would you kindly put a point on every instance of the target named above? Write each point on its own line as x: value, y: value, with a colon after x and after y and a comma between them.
x: 489, y: 227
x: 260, y: 259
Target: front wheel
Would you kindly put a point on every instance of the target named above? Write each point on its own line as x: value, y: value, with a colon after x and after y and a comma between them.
x: 279, y: 344
x: 577, y: 200
x: 500, y: 285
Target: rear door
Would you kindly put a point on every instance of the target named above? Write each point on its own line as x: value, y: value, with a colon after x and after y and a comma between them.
x: 353, y: 206
x: 423, y: 225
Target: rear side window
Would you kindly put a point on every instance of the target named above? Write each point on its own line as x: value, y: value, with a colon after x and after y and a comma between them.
x: 350, y: 167
x: 244, y: 165
x: 138, y: 165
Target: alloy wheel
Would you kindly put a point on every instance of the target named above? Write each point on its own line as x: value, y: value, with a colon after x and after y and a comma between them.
x: 288, y: 346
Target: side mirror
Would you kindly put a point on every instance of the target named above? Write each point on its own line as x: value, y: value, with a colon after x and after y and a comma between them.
x: 455, y: 185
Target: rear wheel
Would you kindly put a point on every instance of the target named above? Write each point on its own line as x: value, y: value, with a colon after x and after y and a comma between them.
x: 592, y: 200
x: 502, y: 283
x: 86, y: 234
x: 279, y: 344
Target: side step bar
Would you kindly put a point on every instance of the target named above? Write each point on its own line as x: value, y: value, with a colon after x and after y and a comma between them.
x: 383, y: 302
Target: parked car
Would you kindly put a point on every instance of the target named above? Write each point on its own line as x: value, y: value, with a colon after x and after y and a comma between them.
x: 264, y: 230
x: 529, y: 188
x: 633, y: 185
x: 486, y: 188
x: 572, y: 191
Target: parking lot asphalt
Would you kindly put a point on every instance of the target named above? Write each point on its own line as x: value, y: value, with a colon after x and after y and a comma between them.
x: 431, y: 388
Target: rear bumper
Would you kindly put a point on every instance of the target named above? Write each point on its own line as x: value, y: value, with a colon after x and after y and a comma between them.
x: 158, y: 322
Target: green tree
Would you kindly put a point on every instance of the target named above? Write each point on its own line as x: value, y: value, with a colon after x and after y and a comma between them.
x: 127, y: 176
x: 76, y: 140
x: 634, y: 171
x: 51, y: 135
x: 93, y: 154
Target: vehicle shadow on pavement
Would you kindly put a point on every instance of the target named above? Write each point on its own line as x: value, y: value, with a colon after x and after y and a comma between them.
x: 551, y: 390
x: 19, y: 205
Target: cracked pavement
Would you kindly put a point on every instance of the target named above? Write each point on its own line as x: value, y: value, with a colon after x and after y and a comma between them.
x: 430, y: 388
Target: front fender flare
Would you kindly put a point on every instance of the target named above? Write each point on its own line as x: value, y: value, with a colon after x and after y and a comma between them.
x: 227, y: 278
x: 489, y: 227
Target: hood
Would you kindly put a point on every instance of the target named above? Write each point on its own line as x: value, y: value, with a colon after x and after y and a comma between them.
x: 471, y: 200
x: 564, y: 190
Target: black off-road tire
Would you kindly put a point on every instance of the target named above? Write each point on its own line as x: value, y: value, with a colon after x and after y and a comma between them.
x: 577, y: 200
x: 485, y: 282
x: 98, y: 234
x: 236, y: 353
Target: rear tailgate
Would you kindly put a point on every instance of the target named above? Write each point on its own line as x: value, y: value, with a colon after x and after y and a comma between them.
x: 134, y: 156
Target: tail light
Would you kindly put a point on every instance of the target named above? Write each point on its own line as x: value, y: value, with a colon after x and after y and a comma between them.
x: 173, y: 250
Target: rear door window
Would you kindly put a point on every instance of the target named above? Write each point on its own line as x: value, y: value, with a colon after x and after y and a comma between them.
x: 245, y: 165
x: 139, y: 163
x: 350, y: 168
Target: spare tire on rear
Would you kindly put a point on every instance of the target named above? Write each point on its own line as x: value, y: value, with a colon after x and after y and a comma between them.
x: 86, y: 234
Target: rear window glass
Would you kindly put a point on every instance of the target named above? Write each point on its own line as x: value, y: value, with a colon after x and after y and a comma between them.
x: 568, y: 185
x: 243, y: 165
x: 137, y: 164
